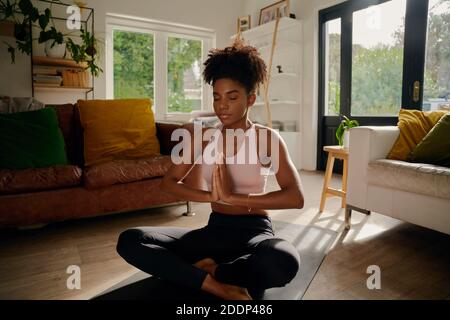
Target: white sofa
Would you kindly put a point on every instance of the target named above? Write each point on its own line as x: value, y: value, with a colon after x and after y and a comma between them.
x: 413, y: 192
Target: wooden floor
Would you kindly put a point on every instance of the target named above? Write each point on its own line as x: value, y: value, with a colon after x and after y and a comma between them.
x: 414, y: 261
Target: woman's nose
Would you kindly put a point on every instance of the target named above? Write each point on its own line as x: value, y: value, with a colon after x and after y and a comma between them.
x: 223, y: 105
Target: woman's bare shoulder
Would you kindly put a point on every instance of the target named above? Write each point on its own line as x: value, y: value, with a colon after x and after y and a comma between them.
x: 269, y: 131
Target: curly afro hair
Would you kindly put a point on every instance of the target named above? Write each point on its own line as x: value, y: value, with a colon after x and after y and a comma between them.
x: 238, y: 62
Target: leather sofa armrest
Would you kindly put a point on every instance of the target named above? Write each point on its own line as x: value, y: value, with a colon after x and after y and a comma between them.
x: 367, y: 143
x: 164, y: 133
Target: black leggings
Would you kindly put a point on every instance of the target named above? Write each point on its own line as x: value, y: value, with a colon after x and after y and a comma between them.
x: 244, y: 246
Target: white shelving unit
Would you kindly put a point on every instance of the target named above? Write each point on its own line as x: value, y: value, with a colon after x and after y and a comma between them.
x: 285, y: 87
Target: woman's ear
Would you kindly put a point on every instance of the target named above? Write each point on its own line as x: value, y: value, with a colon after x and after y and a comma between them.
x: 251, y: 98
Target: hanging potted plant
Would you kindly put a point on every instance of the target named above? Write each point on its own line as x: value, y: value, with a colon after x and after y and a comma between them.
x: 86, y: 51
x: 26, y: 16
x: 342, y: 132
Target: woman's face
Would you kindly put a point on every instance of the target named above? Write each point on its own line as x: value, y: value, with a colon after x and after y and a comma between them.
x: 231, y: 101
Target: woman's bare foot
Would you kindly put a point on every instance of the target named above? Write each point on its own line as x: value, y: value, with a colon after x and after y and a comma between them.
x: 207, y: 264
x: 236, y: 293
x: 225, y: 291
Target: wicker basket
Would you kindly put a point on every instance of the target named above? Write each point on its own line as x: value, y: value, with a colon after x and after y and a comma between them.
x: 75, y: 78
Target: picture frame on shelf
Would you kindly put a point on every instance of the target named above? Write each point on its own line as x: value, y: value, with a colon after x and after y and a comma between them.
x: 270, y: 12
x: 243, y: 23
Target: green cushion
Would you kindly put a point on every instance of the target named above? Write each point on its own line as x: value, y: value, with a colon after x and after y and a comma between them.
x: 31, y: 139
x: 435, y: 146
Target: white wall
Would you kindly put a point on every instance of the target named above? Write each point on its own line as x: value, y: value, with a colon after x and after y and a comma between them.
x: 15, y: 79
x: 308, y: 12
x: 218, y: 15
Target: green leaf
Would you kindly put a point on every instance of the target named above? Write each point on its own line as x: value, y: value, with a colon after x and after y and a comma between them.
x: 353, y: 123
x: 24, y: 47
x: 34, y: 14
x: 20, y: 31
x: 26, y: 7
x: 48, y: 13
x: 44, y: 36
x: 43, y: 21
x: 8, y: 10
x: 340, y: 134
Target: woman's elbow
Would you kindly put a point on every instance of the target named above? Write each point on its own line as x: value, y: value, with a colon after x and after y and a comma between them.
x: 299, y: 202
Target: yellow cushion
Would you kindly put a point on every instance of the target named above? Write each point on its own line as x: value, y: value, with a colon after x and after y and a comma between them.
x: 414, y: 126
x: 117, y: 130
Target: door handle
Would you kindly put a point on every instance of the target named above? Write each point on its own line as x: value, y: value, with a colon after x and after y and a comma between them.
x: 416, y: 91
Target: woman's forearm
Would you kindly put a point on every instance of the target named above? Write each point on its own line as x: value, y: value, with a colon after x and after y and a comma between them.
x: 185, y: 193
x: 280, y: 199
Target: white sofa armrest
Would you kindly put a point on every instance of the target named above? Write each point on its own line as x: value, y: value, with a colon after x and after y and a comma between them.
x: 367, y: 143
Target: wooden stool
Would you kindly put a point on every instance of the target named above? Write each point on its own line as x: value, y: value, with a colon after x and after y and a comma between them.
x: 334, y: 152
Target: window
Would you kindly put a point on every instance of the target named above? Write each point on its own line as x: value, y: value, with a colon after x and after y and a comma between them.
x: 184, y: 79
x: 133, y: 64
x: 377, y: 59
x: 332, y: 66
x: 437, y: 63
x: 160, y: 61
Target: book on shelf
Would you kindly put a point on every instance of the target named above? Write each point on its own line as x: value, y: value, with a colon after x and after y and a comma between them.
x: 49, y: 71
x: 46, y: 61
x: 47, y: 79
x: 44, y: 84
x: 60, y: 72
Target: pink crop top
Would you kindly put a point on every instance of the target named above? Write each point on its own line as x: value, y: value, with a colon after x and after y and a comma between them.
x: 245, y: 169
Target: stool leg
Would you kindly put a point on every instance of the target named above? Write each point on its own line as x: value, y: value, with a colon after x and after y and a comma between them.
x: 326, y: 181
x: 348, y: 216
x: 344, y: 182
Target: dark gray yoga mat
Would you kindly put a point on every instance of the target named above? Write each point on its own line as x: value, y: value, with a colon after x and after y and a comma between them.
x: 312, y: 244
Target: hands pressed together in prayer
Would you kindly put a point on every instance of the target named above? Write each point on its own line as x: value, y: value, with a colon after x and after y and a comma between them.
x: 221, y: 185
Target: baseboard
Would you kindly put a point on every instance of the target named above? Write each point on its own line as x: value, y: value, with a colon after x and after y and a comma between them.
x: 350, y: 207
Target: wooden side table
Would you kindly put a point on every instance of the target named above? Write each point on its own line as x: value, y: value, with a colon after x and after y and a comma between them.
x: 334, y: 152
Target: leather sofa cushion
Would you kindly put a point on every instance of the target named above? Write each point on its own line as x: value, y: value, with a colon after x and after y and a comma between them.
x: 124, y: 171
x: 120, y: 129
x: 36, y: 179
x: 427, y: 179
x: 164, y: 132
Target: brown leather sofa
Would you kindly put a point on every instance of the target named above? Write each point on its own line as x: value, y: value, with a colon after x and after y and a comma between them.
x: 42, y: 195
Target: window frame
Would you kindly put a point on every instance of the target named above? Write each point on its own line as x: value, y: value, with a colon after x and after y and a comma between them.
x: 161, y: 30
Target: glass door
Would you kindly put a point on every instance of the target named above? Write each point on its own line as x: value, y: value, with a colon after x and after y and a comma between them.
x: 377, y: 59
x: 377, y: 56
x: 436, y: 84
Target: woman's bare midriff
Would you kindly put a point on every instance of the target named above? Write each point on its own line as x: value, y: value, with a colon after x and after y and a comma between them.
x: 227, y: 209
